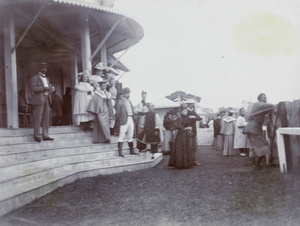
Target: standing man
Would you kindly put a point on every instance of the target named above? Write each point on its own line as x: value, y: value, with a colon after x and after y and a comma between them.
x: 41, y: 90
x: 140, y: 105
x: 193, y: 117
x: 150, y: 127
x: 139, y: 111
x: 124, y: 116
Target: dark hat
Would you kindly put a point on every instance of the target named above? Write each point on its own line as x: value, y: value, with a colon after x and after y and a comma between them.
x: 222, y: 111
x: 126, y: 90
x: 144, y: 92
x: 260, y: 95
x: 42, y: 64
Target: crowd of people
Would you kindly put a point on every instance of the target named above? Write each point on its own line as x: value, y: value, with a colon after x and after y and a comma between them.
x: 236, y: 135
x: 98, y: 102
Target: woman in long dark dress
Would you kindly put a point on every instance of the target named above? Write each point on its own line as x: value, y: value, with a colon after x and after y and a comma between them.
x: 182, y: 155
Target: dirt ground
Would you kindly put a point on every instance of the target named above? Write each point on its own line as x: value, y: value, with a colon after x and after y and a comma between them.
x: 222, y: 191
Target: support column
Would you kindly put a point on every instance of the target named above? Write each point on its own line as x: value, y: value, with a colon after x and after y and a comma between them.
x: 85, y: 42
x: 74, y: 80
x: 103, y: 55
x: 10, y: 72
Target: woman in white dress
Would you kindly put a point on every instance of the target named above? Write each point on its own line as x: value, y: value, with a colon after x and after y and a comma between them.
x: 83, y: 94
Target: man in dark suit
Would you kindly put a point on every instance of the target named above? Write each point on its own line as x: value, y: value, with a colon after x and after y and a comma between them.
x: 41, y: 90
x: 193, y: 116
x: 124, y: 116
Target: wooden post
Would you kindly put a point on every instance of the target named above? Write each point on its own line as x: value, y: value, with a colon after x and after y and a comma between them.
x: 10, y: 71
x: 103, y: 55
x: 281, y: 152
x: 85, y: 42
x: 74, y: 80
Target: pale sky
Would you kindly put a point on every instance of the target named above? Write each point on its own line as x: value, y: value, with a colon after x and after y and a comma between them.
x: 225, y: 51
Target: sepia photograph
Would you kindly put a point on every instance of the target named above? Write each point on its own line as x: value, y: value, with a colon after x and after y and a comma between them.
x: 149, y: 112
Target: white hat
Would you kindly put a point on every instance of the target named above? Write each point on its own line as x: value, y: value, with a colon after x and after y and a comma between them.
x: 85, y: 72
x: 95, y: 78
x: 99, y: 66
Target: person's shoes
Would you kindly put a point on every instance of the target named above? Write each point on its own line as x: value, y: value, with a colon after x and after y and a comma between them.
x: 197, y: 163
x: 107, y: 141
x: 48, y: 138
x: 243, y: 155
x: 37, y: 139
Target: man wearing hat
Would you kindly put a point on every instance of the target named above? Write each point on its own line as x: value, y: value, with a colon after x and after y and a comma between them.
x: 140, y: 105
x: 124, y: 116
x: 41, y: 90
x: 140, y: 112
x: 150, y: 131
x: 193, y: 117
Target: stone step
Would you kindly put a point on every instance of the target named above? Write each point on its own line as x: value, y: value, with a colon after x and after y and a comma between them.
x: 56, y: 144
x: 29, y: 131
x: 29, y: 170
x: 20, y: 196
x: 22, y: 156
x: 35, y: 165
x: 43, y: 173
x: 35, y: 146
x: 20, y: 139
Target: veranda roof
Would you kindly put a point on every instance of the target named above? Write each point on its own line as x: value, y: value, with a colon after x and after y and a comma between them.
x: 53, y: 28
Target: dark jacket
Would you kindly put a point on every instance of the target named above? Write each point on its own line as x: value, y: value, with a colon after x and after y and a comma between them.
x: 38, y: 90
x: 121, y: 112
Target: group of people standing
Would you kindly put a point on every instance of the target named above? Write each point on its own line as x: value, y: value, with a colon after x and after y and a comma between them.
x: 94, y: 101
x: 181, y: 136
x: 233, y: 134
x: 97, y: 99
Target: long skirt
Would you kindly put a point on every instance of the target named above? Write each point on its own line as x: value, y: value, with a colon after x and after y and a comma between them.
x: 167, y: 138
x: 259, y: 146
x: 228, y: 145
x: 101, y: 132
x: 181, y: 156
x: 83, y: 117
x: 218, y: 143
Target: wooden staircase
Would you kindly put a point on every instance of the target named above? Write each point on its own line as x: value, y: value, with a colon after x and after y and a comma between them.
x: 29, y: 170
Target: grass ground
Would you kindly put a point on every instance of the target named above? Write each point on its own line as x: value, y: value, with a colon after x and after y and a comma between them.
x: 222, y: 191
